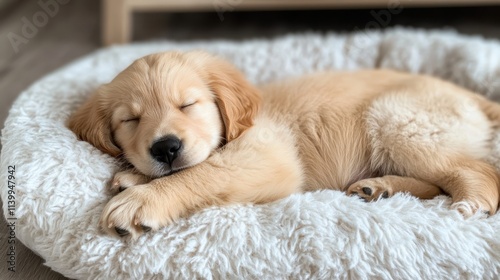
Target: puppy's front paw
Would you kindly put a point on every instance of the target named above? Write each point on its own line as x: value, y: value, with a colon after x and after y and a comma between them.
x: 370, y: 189
x: 126, y: 179
x: 135, y: 211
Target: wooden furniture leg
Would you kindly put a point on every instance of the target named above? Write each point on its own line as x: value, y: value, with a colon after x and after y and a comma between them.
x: 116, y: 22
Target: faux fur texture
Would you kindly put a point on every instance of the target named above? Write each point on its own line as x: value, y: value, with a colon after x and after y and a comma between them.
x: 60, y: 181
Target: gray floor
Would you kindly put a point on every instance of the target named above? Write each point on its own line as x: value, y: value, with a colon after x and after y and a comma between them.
x: 74, y: 31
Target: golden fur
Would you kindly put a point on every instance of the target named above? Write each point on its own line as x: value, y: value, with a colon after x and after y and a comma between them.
x: 369, y: 133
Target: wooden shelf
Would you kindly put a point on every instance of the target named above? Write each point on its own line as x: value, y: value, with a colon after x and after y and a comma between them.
x: 117, y: 14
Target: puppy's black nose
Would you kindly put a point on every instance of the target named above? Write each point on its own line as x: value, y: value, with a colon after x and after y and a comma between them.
x: 166, y: 149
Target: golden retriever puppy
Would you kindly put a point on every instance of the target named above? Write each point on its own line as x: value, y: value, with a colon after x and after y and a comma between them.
x: 199, y: 134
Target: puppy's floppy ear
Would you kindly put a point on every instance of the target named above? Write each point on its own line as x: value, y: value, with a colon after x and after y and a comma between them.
x: 238, y: 100
x: 92, y: 123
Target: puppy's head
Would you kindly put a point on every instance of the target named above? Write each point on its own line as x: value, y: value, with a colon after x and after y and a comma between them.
x: 168, y: 111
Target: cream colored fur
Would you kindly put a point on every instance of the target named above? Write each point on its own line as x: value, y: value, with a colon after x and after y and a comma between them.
x: 370, y: 133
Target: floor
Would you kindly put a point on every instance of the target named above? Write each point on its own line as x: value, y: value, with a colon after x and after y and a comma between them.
x: 74, y: 31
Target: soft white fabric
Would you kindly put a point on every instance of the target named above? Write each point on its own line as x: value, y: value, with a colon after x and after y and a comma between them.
x: 322, y: 235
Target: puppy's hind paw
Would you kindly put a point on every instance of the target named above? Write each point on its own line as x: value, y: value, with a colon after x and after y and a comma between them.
x: 370, y: 189
x: 469, y: 209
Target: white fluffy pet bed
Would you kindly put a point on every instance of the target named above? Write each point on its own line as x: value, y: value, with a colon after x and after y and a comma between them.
x: 61, y: 182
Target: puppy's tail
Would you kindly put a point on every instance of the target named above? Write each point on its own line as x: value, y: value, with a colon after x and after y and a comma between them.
x: 490, y: 108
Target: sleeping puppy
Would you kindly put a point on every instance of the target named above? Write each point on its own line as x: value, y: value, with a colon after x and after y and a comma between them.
x: 198, y: 134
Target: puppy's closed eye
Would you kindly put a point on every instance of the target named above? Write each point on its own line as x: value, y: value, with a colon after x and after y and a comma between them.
x: 131, y: 119
x: 187, y: 104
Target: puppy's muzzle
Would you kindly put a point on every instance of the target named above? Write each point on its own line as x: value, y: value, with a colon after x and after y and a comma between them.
x: 166, y: 149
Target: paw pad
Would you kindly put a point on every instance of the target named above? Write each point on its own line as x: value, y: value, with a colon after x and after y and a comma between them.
x: 385, y: 194
x: 145, y: 228
x: 367, y: 190
x: 121, y: 232
x: 370, y: 189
